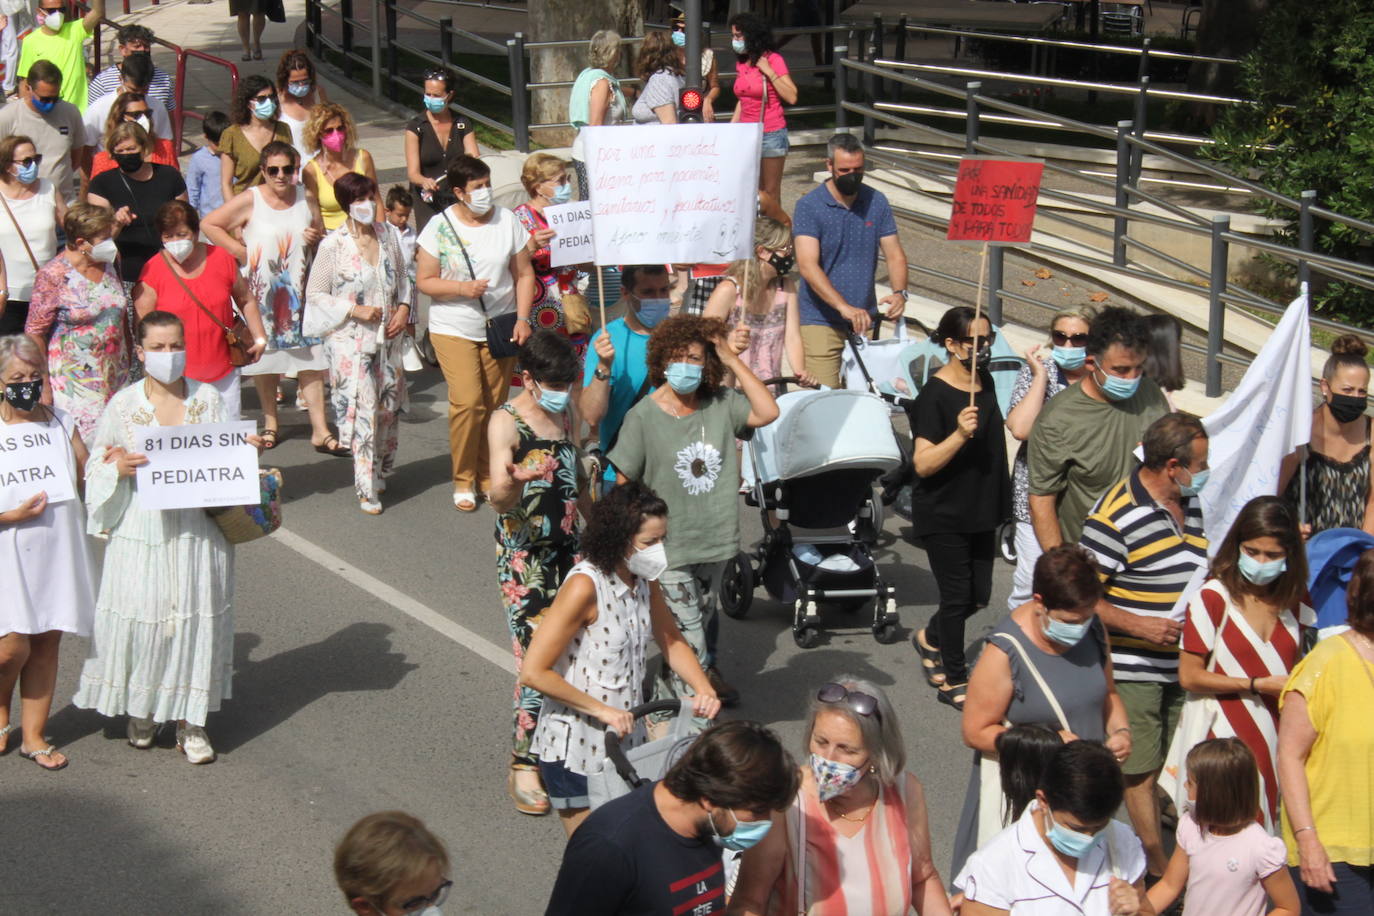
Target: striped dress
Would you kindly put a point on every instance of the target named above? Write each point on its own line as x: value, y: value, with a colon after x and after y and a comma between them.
x: 1241, y: 653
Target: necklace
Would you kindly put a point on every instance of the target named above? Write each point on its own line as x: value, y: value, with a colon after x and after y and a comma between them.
x: 853, y: 820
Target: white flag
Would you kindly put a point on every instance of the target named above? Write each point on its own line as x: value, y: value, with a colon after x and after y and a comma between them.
x: 1265, y: 418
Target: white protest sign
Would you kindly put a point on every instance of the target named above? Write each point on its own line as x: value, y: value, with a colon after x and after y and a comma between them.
x: 573, y: 225
x: 673, y: 193
x: 34, y: 459
x: 197, y: 466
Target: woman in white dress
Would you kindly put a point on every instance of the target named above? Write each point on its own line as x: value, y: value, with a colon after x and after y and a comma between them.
x: 45, y: 563
x: 268, y: 229
x: 164, y: 623
x: 359, y: 295
x: 28, y: 227
x: 587, y: 656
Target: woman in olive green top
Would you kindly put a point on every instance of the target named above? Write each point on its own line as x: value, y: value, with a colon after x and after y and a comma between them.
x: 254, y: 114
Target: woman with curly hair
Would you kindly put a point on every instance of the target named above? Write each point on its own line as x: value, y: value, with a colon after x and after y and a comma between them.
x: 680, y: 441
x: 659, y: 65
x: 588, y: 656
x: 256, y: 123
x: 331, y: 141
x: 762, y: 87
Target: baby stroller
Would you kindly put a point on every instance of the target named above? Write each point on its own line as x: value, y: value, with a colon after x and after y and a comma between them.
x: 814, y: 468
x: 623, y: 770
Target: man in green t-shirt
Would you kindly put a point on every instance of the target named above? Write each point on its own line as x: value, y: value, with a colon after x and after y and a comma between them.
x: 680, y: 441
x: 1085, y: 438
x: 62, y: 42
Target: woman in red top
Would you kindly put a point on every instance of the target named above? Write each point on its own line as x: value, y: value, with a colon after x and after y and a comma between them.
x: 762, y: 87
x: 215, y: 287
x: 545, y: 178
x: 133, y: 107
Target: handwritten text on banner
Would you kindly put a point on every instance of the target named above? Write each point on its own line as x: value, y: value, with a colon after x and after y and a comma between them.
x: 197, y: 466
x: 33, y: 460
x: 994, y: 201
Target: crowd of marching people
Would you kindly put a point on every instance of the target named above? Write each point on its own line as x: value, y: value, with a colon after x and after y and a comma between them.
x: 1155, y: 723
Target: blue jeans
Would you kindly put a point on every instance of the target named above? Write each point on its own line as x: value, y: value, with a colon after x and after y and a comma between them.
x: 1353, y: 891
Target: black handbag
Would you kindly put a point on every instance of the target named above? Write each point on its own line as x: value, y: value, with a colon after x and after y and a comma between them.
x: 500, y: 329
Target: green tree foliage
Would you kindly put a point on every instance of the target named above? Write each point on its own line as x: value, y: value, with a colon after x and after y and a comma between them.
x: 1312, y: 75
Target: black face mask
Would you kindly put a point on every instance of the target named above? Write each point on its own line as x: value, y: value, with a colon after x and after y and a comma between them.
x: 129, y: 162
x: 782, y: 263
x: 24, y: 395
x: 1346, y: 407
x: 848, y: 184
x: 984, y: 357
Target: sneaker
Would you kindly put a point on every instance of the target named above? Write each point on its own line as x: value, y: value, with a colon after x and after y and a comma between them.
x: 371, y: 506
x: 727, y: 695
x: 195, y: 744
x: 142, y: 733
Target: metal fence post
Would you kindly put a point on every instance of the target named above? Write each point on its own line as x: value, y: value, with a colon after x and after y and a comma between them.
x: 446, y: 41
x: 1123, y: 200
x: 875, y: 52
x: 519, y: 93
x: 1142, y: 101
x: 1216, y: 312
x: 1306, y: 232
x: 994, y: 291
x: 899, y: 52
x: 393, y: 51
x: 840, y: 77
x: 971, y: 120
x: 1144, y: 60
x: 869, y: 88
x: 376, y: 49
x: 346, y: 35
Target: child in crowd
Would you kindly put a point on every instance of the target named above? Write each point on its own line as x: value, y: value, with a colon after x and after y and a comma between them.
x: 389, y: 862
x: 203, y: 189
x: 399, y: 203
x: 1225, y: 858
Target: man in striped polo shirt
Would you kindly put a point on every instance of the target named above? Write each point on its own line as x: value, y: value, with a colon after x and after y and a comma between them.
x: 1146, y: 532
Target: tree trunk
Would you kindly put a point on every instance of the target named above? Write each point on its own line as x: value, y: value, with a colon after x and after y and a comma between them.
x: 565, y: 20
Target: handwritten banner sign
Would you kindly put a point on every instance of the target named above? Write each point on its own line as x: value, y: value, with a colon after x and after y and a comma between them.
x: 197, y: 466
x: 673, y: 193
x: 34, y: 459
x: 573, y: 243
x: 994, y: 201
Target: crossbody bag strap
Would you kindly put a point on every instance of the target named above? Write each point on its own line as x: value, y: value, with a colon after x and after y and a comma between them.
x: 23, y: 238
x: 192, y: 296
x: 1039, y: 680
x: 800, y: 858
x: 481, y: 300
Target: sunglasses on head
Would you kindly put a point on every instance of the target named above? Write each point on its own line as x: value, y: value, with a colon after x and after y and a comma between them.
x: 1064, y: 340
x: 864, y: 704
x: 272, y: 171
x: 437, y: 74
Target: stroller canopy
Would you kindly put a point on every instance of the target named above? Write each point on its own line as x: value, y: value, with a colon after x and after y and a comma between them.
x: 1331, y: 558
x: 820, y: 431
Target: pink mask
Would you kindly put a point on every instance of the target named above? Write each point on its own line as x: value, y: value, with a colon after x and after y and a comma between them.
x: 333, y: 140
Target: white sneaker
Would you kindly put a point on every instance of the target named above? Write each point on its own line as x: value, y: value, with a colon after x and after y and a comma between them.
x: 142, y: 733
x: 371, y: 506
x: 195, y: 744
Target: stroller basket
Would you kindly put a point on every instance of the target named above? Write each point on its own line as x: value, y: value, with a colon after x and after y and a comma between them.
x: 625, y: 770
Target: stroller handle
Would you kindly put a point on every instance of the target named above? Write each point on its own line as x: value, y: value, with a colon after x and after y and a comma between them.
x: 785, y: 381
x: 616, y: 755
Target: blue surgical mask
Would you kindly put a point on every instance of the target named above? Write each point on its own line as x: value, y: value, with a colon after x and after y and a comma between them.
x: 1064, y: 633
x: 683, y: 377
x: 562, y: 194
x: 1118, y: 389
x: 745, y: 834
x: 1261, y: 573
x: 1070, y: 357
x: 652, y: 311
x: 553, y: 401
x: 1070, y: 842
x: 680, y: 39
x: 265, y: 108
x: 43, y: 107
x: 27, y: 174
x: 737, y: 45
x: 435, y: 103
x: 1197, y: 483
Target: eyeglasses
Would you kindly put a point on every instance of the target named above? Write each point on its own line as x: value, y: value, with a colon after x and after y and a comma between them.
x: 132, y: 113
x: 988, y: 339
x: 46, y: 100
x: 270, y: 97
x: 864, y: 704
x: 1063, y: 340
x: 331, y: 130
x: 273, y: 171
x: 435, y: 899
x: 32, y: 160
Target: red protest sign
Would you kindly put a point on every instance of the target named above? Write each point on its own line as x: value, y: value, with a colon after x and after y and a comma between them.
x: 994, y: 201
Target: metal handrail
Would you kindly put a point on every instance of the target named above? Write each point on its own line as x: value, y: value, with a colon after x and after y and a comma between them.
x: 1067, y: 43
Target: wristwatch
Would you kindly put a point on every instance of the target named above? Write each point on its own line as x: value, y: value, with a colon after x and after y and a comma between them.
x: 904, y: 294
x: 601, y: 375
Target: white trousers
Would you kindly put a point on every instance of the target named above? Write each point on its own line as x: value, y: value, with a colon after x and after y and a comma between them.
x: 228, y: 388
x: 1027, y: 552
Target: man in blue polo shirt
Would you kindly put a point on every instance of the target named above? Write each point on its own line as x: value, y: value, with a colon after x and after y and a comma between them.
x: 839, y: 228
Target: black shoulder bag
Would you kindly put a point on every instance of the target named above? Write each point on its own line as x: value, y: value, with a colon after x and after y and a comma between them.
x: 500, y: 329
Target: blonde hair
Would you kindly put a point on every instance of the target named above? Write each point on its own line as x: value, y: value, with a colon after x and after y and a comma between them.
x: 116, y: 118
x: 747, y: 273
x: 22, y: 348
x: 128, y: 130
x: 321, y: 115
x: 383, y: 851
x: 603, y: 51
x: 540, y: 168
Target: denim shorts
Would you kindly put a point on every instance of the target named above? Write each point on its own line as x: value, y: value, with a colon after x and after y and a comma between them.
x: 775, y: 143
x: 565, y: 788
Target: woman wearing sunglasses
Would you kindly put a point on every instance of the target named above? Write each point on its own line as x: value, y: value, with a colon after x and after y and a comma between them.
x: 1047, y: 372
x: 28, y: 227
x: 132, y: 107
x: 331, y: 143
x: 256, y: 118
x: 857, y: 838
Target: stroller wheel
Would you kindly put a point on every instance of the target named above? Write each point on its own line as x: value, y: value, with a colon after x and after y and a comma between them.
x: 1006, y: 540
x: 807, y: 637
x: 737, y: 586
x: 887, y: 633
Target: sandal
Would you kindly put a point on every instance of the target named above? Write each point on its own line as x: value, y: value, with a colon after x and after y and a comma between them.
x: 952, y: 695
x: 932, y: 665
x: 269, y: 438
x: 527, y: 801
x: 5, y: 731
x: 464, y: 501
x: 48, y: 752
x: 335, y: 449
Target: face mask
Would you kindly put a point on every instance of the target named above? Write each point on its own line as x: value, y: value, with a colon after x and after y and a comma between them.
x: 27, y: 174
x: 745, y: 834
x: 553, y: 401
x: 142, y: 121
x: 167, y: 366
x: 479, y: 201
x: 180, y: 249
x: 54, y: 20
x: 848, y: 184
x: 1118, y: 389
x: 1261, y: 573
x: 684, y: 377
x: 299, y: 90
x: 333, y: 141
x: 129, y: 162
x: 363, y: 211
x: 43, y: 107
x: 265, y: 108
x: 1070, y: 357
x: 562, y: 194
x: 983, y: 358
x: 435, y: 103
x: 1346, y: 407
x: 24, y: 395
x: 1197, y: 483
x: 652, y: 311
x: 680, y: 39
x: 1066, y: 634
x: 834, y: 778
x: 649, y: 563
x: 782, y: 263
x: 737, y: 45
x: 1070, y: 842
x: 104, y: 251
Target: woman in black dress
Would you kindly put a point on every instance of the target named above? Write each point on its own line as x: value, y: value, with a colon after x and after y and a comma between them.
x: 434, y: 139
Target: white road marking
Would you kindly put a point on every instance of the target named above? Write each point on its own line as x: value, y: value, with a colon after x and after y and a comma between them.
x: 498, y: 656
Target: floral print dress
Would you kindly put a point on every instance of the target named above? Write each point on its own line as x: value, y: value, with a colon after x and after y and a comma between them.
x: 536, y: 548
x: 554, y: 282
x: 87, y: 329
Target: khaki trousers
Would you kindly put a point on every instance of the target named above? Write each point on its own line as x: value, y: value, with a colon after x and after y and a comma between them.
x: 477, y: 385
x: 824, y: 347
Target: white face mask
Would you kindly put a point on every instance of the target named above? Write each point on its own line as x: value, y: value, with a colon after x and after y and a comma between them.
x: 479, y: 201
x: 167, y: 366
x: 103, y: 251
x: 142, y: 121
x: 649, y: 563
x: 54, y: 20
x: 180, y: 249
x: 363, y: 211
